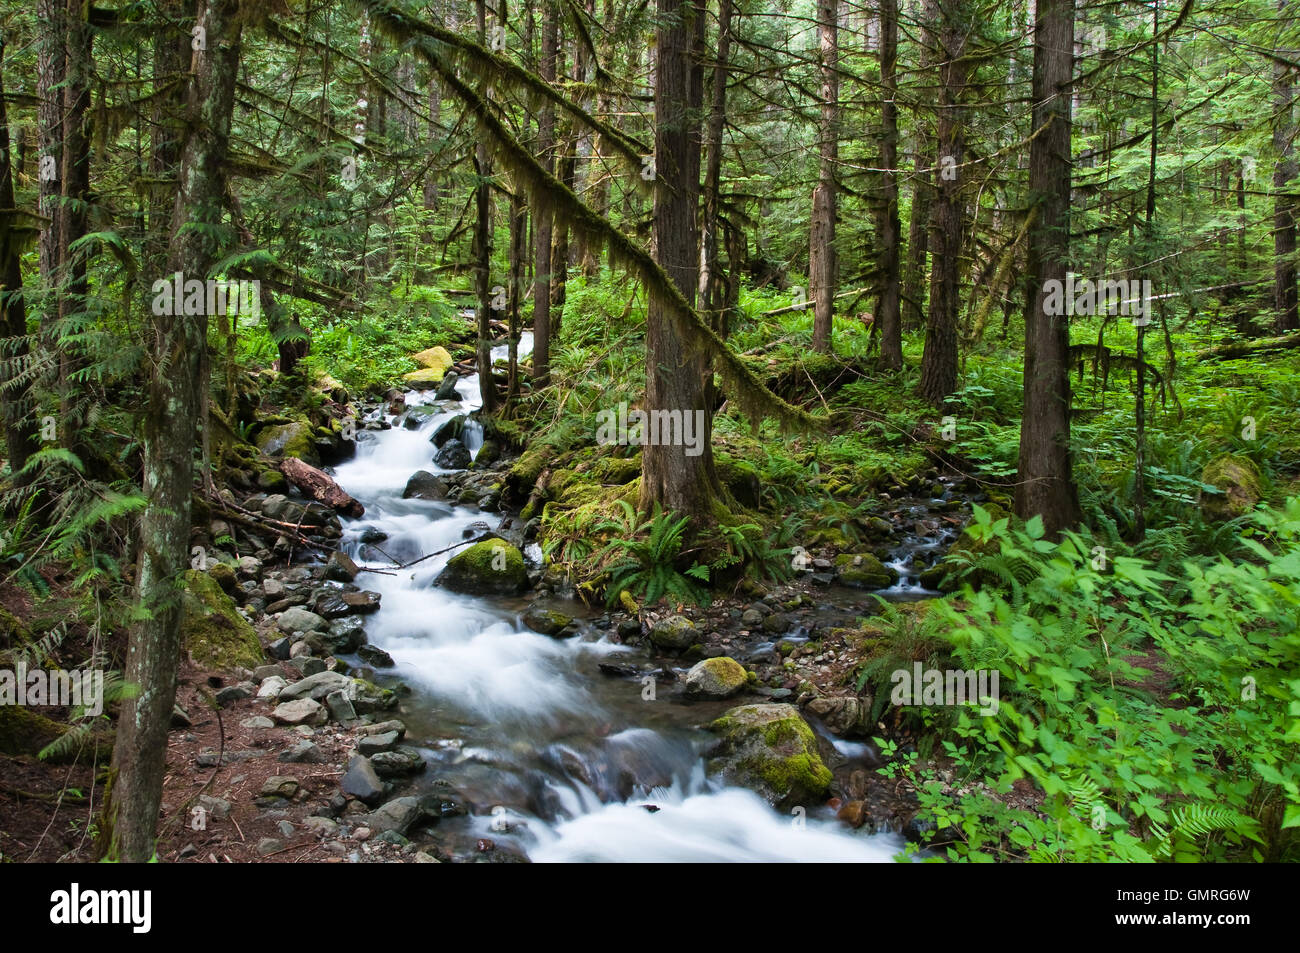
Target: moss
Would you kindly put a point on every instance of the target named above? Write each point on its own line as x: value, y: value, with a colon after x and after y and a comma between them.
x: 433, y: 359
x: 618, y: 470
x: 522, y: 477
x: 864, y: 571
x: 12, y: 629
x: 490, y: 566
x: 1240, y: 481
x: 23, y: 731
x: 293, y: 439
x: 216, y: 636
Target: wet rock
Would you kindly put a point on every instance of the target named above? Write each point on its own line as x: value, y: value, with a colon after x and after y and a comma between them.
x: 340, y: 707
x: 847, y: 716
x: 374, y: 655
x: 629, y: 629
x: 778, y: 623
x: 716, y: 677
x: 853, y: 813
x: 345, y: 635
x: 614, y: 670
x: 447, y: 389
x: 453, y: 455
x: 490, y: 567
x: 399, y: 815
x: 549, y: 622
x: 451, y: 430
x: 751, y: 617
x: 424, y: 485
x: 361, y: 782
x: 770, y: 749
x: 363, y: 602
x: 864, y: 571
x: 329, y: 604
x: 341, y: 568
x: 373, y: 534
x: 676, y: 632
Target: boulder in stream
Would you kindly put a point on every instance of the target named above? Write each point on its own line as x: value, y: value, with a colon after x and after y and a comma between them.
x: 490, y: 567
x: 454, y: 455
x: 864, y: 571
x: 771, y: 750
x: 716, y: 677
x: 424, y: 485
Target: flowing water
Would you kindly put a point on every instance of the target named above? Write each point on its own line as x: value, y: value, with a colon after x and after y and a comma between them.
x: 555, y: 760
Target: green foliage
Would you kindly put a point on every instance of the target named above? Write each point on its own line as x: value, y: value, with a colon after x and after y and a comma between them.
x: 646, y: 555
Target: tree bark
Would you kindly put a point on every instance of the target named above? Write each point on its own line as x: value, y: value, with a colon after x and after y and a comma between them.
x: 483, y: 249
x: 888, y: 313
x: 1045, y: 486
x: 15, y: 350
x: 1284, y: 203
x: 52, y: 68
x: 939, y: 360
x: 683, y: 482
x: 713, y: 168
x: 320, y: 486
x: 178, y: 345
x: 821, y: 239
x: 542, y: 216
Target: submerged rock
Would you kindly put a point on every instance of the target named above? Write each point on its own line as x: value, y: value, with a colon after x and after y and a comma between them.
x: 771, y: 750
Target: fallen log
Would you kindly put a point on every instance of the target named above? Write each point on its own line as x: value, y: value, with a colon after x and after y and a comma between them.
x: 320, y: 487
x: 1234, y: 349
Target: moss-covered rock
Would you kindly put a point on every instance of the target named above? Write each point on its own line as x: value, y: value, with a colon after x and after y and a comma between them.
x: 224, y: 574
x: 864, y: 571
x: 490, y: 567
x: 23, y: 731
x: 740, y: 478
x: 12, y: 629
x: 434, y: 358
x: 716, y: 677
x: 549, y: 622
x: 1240, y: 481
x: 215, y: 635
x: 294, y: 439
x: 675, y: 633
x: 424, y: 378
x: 771, y: 750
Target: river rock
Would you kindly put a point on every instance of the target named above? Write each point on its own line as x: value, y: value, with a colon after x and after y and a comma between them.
x: 451, y: 430
x: 361, y: 782
x: 272, y: 686
x: 424, y: 485
x: 340, y: 707
x: 364, y: 602
x: 304, y: 752
x: 374, y: 655
x: 716, y: 677
x: 346, y: 635
x: 400, y: 762
x: 847, y: 716
x: 771, y: 750
x: 676, y: 632
x: 341, y: 568
x: 373, y: 744
x: 454, y: 455
x: 549, y: 622
x: 300, y: 711
x: 864, y: 571
x: 490, y: 567
x: 399, y: 815
x: 447, y: 389
x: 316, y: 686
x: 296, y: 620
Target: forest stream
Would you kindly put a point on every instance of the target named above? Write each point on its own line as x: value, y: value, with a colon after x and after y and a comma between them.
x: 557, y: 759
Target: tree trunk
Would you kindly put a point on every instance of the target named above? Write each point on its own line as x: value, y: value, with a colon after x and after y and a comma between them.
x: 939, y: 361
x: 821, y: 238
x: 178, y: 344
x: 52, y: 67
x: 542, y: 217
x: 1284, y: 203
x: 1045, y: 486
x: 918, y: 240
x: 713, y: 169
x: 15, y: 370
x: 483, y: 249
x: 888, y: 314
x: 674, y: 475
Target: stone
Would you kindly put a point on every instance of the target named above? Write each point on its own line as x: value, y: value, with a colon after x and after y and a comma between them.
x: 217, y: 809
x: 864, y: 571
x: 304, y: 752
x: 315, y: 686
x: 399, y: 814
x: 675, y: 633
x: 490, y: 567
x: 340, y: 707
x: 848, y: 716
x: 321, y: 826
x: 363, y: 602
x: 279, y: 786
x: 285, y: 827
x: 263, y: 672
x: 269, y: 845
x: 271, y: 687
x: 257, y: 721
x: 297, y: 620
x: 778, y: 623
x: 424, y: 485
x: 453, y: 429
x: 300, y: 711
x: 341, y: 568
x: 447, y: 389
x: 346, y: 635
x: 549, y: 622
x: 453, y: 455
x: 399, y: 762
x: 1240, y: 482
x: 361, y: 782
x: 770, y: 749
x: 373, y: 744
x: 231, y: 694
x: 272, y: 588
x: 716, y: 677
x: 379, y: 727
x: 751, y: 617
x: 853, y: 813
x: 435, y: 357
x: 373, y: 655
x: 215, y: 635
